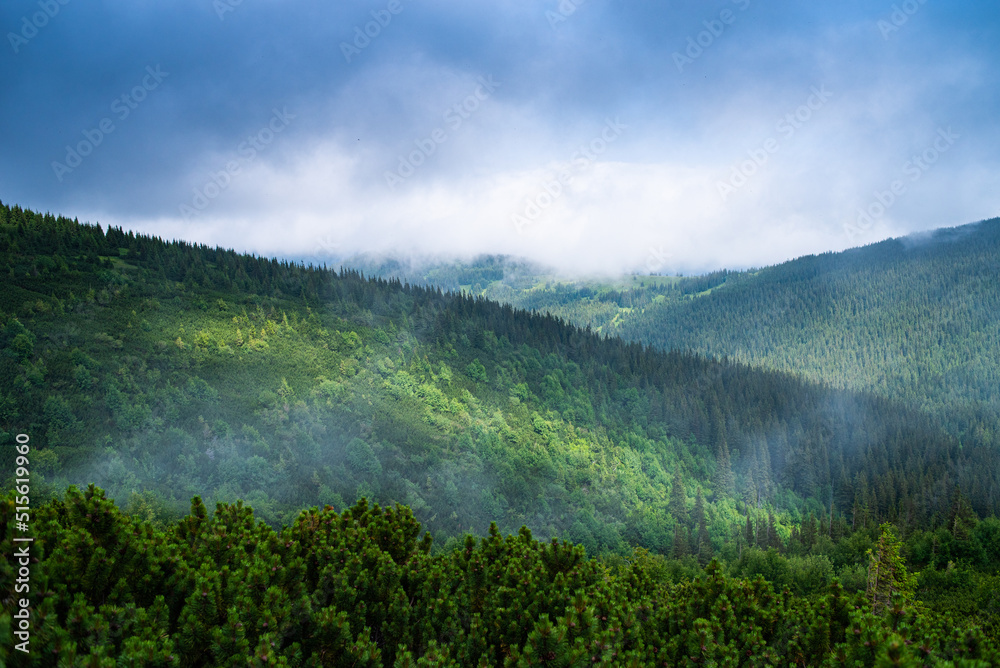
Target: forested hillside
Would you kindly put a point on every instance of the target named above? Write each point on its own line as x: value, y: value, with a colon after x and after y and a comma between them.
x: 913, y: 319
x: 598, y: 303
x: 178, y: 369
x: 164, y: 371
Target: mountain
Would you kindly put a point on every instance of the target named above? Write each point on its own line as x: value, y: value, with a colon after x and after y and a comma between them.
x: 178, y: 376
x: 596, y: 303
x: 170, y: 370
x: 913, y: 319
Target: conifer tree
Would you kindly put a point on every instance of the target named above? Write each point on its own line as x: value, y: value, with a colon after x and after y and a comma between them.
x: 808, y: 535
x: 724, y: 479
x: 678, y: 499
x: 887, y: 573
x: 680, y: 547
x: 703, y: 544
x: 772, y: 540
x: 961, y: 517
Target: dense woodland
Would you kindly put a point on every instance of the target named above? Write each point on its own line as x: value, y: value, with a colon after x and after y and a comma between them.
x: 362, y: 588
x: 162, y: 371
x: 912, y: 318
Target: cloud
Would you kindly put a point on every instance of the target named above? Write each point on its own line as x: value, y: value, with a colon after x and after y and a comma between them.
x: 415, y: 94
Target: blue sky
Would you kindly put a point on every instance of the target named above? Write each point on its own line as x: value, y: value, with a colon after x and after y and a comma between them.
x: 596, y: 136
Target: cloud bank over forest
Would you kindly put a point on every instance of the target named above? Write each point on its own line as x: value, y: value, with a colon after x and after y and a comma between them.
x: 592, y: 136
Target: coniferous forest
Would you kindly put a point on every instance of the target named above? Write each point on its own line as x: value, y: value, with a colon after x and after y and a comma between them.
x: 404, y: 475
x: 912, y: 318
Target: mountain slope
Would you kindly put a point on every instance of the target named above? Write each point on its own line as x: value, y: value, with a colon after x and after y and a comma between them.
x: 913, y: 319
x: 163, y: 370
x: 916, y: 318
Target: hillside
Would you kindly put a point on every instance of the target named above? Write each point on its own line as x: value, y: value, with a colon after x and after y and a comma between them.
x: 166, y: 372
x: 912, y: 319
x: 174, y: 370
x: 598, y: 303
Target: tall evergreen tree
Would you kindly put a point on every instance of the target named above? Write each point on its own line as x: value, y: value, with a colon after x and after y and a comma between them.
x: 724, y: 480
x: 680, y: 548
x: 678, y: 499
x: 772, y: 539
x: 961, y: 516
x: 808, y: 532
x: 887, y: 574
x: 703, y: 543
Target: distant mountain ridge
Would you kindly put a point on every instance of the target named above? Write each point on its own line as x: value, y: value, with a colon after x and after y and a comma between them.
x: 913, y: 318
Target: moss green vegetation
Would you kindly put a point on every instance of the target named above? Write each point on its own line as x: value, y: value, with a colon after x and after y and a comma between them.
x: 163, y: 371
x: 362, y: 589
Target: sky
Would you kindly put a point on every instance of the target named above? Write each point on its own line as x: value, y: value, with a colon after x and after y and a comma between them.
x: 592, y: 136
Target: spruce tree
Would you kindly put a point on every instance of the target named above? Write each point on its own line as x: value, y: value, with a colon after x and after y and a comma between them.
x: 703, y: 544
x: 724, y: 480
x: 887, y: 573
x: 680, y: 547
x: 808, y: 536
x: 678, y: 499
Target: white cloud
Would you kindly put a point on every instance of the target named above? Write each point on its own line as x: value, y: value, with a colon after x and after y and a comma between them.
x: 652, y: 194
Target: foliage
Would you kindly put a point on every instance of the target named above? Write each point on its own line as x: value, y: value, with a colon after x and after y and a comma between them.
x: 362, y: 588
x: 184, y: 370
x: 162, y: 371
x: 887, y: 575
